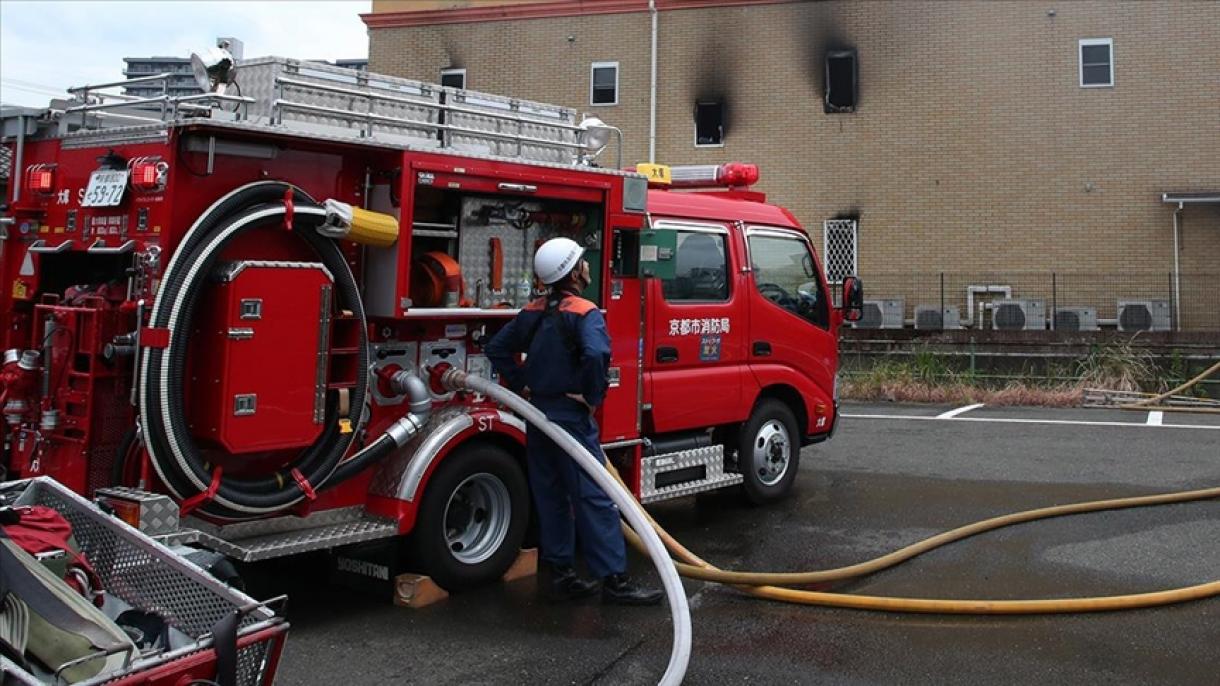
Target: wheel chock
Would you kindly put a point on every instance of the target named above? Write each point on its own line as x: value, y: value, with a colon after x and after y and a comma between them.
x: 525, y: 565
x: 417, y: 591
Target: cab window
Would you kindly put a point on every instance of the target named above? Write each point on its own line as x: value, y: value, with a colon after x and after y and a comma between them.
x: 785, y: 274
x: 701, y: 269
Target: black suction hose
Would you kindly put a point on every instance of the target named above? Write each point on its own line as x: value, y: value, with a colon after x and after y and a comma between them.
x: 186, y: 471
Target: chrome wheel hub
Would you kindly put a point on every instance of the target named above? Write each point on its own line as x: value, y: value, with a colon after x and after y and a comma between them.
x: 772, y: 452
x: 477, y: 518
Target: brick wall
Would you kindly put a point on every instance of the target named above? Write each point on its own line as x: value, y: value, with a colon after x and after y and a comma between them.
x: 973, y: 148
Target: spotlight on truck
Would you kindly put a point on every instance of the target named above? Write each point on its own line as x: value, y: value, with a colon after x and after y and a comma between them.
x: 214, y: 68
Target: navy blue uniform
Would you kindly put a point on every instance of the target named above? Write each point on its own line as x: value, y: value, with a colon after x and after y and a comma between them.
x: 567, y: 351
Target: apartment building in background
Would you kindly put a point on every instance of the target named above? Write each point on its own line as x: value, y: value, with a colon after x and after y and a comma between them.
x: 1059, y: 150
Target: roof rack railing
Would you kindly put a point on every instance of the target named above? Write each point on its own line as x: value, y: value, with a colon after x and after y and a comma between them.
x: 322, y: 99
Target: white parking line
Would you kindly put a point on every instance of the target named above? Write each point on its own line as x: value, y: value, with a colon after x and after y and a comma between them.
x: 1155, y: 417
x: 1014, y: 420
x: 961, y: 410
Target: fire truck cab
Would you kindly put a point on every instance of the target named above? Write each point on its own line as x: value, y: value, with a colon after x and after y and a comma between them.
x: 224, y: 315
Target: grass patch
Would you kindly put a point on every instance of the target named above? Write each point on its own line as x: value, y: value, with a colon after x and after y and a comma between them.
x: 926, y: 377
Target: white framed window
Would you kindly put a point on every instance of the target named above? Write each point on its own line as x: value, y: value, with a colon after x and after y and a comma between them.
x: 1096, y: 62
x: 709, y: 124
x: 603, y: 83
x: 840, y: 248
x: 453, y: 78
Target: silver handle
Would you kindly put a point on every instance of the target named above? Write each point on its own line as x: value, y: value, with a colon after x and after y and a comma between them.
x: 99, y: 248
x: 519, y: 187
x: 40, y: 246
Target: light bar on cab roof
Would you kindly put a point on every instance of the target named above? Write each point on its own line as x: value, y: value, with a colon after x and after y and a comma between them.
x: 730, y: 175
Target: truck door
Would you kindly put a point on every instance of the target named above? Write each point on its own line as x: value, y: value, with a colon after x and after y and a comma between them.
x: 695, y: 350
x: 790, y: 339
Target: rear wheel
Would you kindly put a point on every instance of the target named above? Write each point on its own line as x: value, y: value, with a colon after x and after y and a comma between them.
x: 768, y: 452
x: 472, y: 519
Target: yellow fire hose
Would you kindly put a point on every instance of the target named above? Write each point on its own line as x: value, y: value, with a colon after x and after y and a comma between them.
x: 762, y: 584
x: 1153, y: 402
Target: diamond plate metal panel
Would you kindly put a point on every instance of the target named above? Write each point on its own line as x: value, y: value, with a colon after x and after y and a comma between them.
x: 390, y: 481
x: 712, y: 458
x: 158, y: 513
x: 474, y: 248
x: 284, y: 543
x: 146, y: 575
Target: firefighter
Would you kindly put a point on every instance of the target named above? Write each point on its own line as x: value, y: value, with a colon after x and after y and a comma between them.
x: 564, y: 375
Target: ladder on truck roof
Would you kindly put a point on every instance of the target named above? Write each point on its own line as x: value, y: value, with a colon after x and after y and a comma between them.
x: 281, y: 94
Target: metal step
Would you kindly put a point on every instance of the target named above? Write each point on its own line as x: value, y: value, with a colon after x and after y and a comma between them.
x: 281, y: 536
x: 682, y: 473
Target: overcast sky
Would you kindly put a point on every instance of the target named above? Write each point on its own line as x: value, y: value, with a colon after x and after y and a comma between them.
x: 46, y: 47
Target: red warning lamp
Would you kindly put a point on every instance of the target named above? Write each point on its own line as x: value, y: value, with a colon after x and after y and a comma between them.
x: 738, y: 174
x: 40, y: 178
x: 148, y: 174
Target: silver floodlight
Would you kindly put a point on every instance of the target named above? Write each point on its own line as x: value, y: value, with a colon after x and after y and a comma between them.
x: 595, y: 135
x: 214, y: 68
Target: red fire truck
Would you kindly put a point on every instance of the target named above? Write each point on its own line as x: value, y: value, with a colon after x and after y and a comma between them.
x: 222, y: 310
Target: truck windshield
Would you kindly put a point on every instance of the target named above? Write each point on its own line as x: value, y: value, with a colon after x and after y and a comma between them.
x: 785, y: 273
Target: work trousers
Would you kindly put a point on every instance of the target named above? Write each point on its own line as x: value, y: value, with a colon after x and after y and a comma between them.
x: 571, y: 507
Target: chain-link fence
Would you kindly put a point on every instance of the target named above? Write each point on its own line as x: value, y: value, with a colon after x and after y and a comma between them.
x: 1062, y: 301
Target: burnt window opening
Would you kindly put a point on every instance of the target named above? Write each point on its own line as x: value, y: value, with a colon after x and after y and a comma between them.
x: 603, y: 84
x: 842, y: 77
x: 709, y: 123
x: 1096, y: 62
x: 453, y: 78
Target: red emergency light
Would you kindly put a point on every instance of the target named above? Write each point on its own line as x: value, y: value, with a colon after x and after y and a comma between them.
x: 40, y: 178
x: 148, y: 174
x: 728, y: 175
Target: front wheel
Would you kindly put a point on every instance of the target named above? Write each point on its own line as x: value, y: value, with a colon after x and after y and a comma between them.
x: 472, y: 519
x: 768, y: 452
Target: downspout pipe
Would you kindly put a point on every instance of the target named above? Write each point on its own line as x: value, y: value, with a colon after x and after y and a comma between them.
x: 652, y: 87
x: 1177, y: 270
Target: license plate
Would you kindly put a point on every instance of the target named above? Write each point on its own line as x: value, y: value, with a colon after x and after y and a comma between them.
x: 105, y: 188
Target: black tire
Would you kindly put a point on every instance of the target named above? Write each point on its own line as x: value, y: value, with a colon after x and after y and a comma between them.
x: 769, y: 437
x: 480, y: 541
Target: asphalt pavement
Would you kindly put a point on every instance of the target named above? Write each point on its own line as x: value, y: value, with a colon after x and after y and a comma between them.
x: 893, y: 474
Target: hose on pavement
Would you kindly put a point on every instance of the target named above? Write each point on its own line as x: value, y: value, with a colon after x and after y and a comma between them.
x: 763, y: 584
x: 647, y: 542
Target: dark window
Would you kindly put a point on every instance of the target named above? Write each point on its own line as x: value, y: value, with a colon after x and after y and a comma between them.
x: 841, y: 77
x: 1096, y: 62
x: 701, y: 268
x: 453, y: 78
x: 709, y: 123
x: 785, y: 274
x: 603, y: 89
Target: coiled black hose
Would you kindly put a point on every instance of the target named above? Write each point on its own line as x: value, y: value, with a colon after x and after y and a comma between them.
x: 186, y: 471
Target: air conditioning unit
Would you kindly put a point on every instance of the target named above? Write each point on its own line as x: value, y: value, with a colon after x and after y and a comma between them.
x: 1076, y: 319
x: 881, y: 314
x: 1144, y: 315
x: 934, y: 318
x: 1018, y: 315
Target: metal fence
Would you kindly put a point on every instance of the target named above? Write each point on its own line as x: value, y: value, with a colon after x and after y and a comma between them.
x: 1076, y: 301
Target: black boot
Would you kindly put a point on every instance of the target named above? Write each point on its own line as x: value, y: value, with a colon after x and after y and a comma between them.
x: 619, y: 589
x: 560, y: 583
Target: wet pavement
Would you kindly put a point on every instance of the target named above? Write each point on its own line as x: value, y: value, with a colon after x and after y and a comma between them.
x: 891, y: 476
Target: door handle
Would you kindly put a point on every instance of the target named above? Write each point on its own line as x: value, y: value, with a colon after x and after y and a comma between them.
x: 762, y: 348
x: 667, y: 354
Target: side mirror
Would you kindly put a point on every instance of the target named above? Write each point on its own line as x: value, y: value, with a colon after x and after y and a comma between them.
x: 853, y: 298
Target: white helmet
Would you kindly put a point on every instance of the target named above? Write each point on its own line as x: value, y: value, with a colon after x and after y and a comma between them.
x: 556, y: 259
